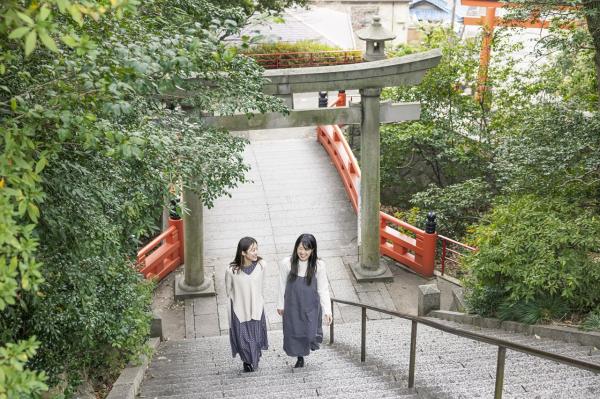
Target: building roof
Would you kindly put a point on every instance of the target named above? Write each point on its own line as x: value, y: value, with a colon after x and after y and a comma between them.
x: 318, y: 24
x: 435, y: 10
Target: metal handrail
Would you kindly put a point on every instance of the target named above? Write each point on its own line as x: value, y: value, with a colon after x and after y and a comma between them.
x: 445, y: 249
x: 501, y: 343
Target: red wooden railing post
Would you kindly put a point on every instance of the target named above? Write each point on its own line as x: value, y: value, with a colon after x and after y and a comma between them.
x: 382, y: 224
x: 178, y: 223
x: 341, y: 99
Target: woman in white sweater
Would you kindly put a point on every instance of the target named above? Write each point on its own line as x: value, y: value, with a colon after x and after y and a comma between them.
x: 244, y: 284
x: 303, y: 299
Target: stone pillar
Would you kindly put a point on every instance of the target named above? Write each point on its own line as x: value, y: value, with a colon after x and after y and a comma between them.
x: 428, y: 300
x: 369, y: 267
x: 193, y: 283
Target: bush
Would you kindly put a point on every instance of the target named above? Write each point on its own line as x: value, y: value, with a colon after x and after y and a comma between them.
x: 592, y: 321
x: 283, y: 47
x: 532, y: 248
x: 531, y: 312
x: 457, y: 206
x: 93, y: 316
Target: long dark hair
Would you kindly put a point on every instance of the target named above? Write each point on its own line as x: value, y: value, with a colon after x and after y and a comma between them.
x: 308, y: 241
x: 243, y: 246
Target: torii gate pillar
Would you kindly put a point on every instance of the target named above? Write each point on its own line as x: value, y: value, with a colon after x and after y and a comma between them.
x: 369, y: 268
x: 193, y: 283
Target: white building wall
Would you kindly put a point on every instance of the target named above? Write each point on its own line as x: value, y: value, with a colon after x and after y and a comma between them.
x: 395, y: 15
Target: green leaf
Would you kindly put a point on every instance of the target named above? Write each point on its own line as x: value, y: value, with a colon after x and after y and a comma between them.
x: 19, y: 32
x: 48, y: 41
x: 76, y: 14
x: 22, y: 207
x: 26, y: 18
x: 44, y: 13
x: 69, y: 41
x: 2, y: 69
x: 33, y: 211
x: 13, y: 104
x: 41, y: 164
x: 30, y: 42
x: 63, y: 5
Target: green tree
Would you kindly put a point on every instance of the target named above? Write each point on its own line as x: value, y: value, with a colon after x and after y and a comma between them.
x: 453, y: 141
x: 568, y: 35
x: 93, y: 133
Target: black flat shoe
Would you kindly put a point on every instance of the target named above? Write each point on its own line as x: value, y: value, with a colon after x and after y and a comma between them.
x: 299, y: 362
x: 248, y: 368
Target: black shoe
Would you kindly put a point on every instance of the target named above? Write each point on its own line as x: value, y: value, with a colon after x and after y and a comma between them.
x: 299, y: 362
x: 248, y: 368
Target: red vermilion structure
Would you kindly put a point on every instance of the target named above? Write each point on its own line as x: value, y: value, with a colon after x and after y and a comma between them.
x: 163, y: 254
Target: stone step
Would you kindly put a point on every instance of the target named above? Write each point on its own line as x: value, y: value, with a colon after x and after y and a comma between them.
x: 447, y: 367
x: 285, y: 383
x: 389, y: 393
x: 209, y: 368
x: 282, y: 389
x: 258, y: 378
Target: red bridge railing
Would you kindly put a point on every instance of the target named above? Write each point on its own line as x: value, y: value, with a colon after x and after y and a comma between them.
x: 418, y: 252
x: 307, y: 59
x: 332, y: 139
x: 163, y: 254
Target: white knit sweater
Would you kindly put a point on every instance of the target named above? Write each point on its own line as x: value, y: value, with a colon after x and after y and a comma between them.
x: 246, y: 292
x: 322, y: 282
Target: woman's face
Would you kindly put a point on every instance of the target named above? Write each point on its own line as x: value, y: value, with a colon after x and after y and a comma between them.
x: 303, y: 253
x: 251, y: 254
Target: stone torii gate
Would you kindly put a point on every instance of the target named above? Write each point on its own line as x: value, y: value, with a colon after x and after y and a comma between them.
x: 369, y: 78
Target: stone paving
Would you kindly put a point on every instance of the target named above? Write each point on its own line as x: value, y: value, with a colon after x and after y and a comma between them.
x: 294, y: 189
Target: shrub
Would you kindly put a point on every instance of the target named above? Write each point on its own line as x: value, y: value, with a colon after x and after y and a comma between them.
x: 457, y: 206
x: 531, y: 312
x: 283, y: 47
x: 531, y: 248
x: 592, y: 321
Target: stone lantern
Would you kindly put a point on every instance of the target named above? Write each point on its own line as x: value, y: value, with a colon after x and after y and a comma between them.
x: 375, y: 36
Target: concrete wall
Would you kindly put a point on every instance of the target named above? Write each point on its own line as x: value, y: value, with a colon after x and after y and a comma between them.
x: 394, y: 15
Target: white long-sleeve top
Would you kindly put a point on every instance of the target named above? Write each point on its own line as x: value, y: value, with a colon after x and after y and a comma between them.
x: 322, y: 282
x: 246, y: 292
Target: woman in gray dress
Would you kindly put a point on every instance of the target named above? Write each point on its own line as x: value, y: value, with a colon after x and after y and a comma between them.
x: 304, y: 300
x: 244, y: 283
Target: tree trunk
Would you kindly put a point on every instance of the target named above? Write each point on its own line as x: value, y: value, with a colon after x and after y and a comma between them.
x: 592, y: 17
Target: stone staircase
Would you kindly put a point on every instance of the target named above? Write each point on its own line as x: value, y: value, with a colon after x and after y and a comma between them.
x: 447, y: 366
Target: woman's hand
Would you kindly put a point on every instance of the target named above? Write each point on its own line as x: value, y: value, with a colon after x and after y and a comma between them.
x: 280, y: 312
x: 327, y: 319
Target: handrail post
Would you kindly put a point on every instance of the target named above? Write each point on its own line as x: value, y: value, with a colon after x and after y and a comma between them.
x: 443, y: 256
x: 363, y: 335
x: 331, y: 325
x: 413, y: 352
x: 500, y: 372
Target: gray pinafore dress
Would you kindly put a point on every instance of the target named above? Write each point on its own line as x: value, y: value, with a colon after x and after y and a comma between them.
x: 302, y: 314
x: 249, y: 338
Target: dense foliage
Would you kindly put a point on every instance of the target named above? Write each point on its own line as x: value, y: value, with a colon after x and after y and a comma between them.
x: 533, y: 248
x: 92, y: 136
x: 517, y: 176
